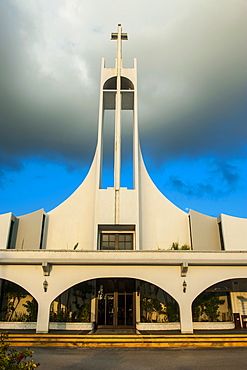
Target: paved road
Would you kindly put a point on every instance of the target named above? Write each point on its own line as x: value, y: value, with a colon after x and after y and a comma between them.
x: 141, y: 358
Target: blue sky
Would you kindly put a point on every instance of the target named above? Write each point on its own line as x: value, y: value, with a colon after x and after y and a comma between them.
x: 191, y: 92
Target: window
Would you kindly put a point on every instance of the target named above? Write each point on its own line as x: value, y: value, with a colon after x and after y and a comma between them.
x: 115, y: 241
x: 116, y: 237
x: 108, y: 241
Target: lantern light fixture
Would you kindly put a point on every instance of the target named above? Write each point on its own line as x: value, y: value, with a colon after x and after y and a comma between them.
x: 184, y: 286
x: 45, y: 286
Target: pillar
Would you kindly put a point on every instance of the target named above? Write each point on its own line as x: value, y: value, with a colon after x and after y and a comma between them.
x: 138, y: 302
x: 93, y: 302
x: 186, y: 321
x: 43, y: 316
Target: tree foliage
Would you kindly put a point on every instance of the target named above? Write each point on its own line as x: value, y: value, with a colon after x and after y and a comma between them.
x: 11, y: 308
x: 209, y: 305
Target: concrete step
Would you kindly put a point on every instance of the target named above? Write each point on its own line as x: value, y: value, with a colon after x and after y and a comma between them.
x: 127, y: 340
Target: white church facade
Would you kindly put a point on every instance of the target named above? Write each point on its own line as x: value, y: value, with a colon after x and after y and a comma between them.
x: 117, y: 257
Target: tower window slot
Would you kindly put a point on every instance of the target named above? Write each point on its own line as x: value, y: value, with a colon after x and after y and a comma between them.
x: 221, y: 237
x: 107, y: 178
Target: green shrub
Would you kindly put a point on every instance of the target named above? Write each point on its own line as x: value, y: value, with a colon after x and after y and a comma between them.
x: 175, y: 246
x: 11, y: 359
x: 185, y: 247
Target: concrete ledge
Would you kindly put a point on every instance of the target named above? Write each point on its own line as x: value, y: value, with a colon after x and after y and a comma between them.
x: 158, y: 326
x: 164, y: 258
x: 17, y: 325
x: 70, y: 326
x: 213, y: 325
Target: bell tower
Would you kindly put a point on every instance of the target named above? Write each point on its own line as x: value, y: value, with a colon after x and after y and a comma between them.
x: 117, y: 217
x: 118, y: 93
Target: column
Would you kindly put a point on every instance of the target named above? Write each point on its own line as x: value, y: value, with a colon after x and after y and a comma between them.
x: 186, y: 318
x: 43, y: 316
x: 93, y: 302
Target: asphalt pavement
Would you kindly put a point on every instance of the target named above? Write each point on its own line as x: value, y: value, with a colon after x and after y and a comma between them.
x: 141, y: 358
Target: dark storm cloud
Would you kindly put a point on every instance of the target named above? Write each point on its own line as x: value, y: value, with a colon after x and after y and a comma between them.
x: 42, y: 113
x: 192, y: 73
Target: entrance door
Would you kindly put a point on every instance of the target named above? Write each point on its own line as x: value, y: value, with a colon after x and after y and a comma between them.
x: 116, y: 309
x: 124, y: 310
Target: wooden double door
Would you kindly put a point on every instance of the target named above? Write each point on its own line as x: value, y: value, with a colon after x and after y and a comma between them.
x: 116, y: 303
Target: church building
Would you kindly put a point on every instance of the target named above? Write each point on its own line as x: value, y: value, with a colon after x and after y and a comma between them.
x: 117, y: 257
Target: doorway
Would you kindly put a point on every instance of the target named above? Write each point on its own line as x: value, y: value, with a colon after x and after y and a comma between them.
x: 116, y: 303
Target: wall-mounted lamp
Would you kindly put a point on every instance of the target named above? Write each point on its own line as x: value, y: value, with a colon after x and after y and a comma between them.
x: 184, y: 286
x: 45, y: 286
x: 138, y: 290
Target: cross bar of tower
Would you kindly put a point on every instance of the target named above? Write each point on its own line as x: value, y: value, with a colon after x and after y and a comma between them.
x: 114, y: 36
x: 119, y: 36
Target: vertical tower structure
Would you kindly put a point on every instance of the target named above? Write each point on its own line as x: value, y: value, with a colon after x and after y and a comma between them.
x: 118, y: 93
x: 117, y: 217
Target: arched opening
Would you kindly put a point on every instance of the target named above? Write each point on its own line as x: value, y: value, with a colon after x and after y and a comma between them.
x: 156, y: 305
x: 225, y: 301
x: 112, y: 139
x: 115, y: 303
x: 126, y: 84
x: 16, y: 304
x: 74, y: 304
x: 111, y: 84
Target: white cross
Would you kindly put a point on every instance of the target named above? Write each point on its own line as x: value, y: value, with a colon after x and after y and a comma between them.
x: 119, y: 36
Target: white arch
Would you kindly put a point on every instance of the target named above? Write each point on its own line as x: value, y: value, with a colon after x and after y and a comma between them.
x: 22, y: 285
x: 220, y: 281
x: 98, y: 272
x: 121, y: 277
x: 213, y: 277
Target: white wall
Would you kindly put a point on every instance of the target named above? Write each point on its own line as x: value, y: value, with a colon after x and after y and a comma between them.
x: 161, y: 222
x: 5, y: 222
x: 234, y: 231
x: 204, y: 232
x: 29, y: 230
x: 72, y: 221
